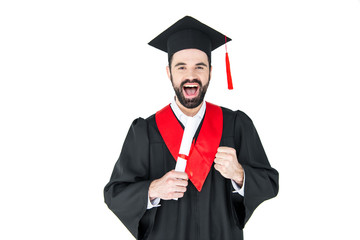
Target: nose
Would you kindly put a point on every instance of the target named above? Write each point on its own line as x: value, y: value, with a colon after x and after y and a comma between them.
x: 191, y: 75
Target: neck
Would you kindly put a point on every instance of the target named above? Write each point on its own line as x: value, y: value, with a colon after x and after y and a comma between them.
x: 190, y: 112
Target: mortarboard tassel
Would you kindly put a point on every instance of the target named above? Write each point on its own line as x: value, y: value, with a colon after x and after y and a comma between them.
x: 228, y: 72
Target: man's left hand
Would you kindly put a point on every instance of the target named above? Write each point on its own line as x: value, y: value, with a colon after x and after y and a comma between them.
x: 227, y: 164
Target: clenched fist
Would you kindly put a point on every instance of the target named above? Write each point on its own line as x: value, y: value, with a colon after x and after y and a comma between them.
x: 227, y: 164
x: 172, y: 185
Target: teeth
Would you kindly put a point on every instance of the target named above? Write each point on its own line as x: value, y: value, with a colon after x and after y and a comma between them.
x: 190, y: 86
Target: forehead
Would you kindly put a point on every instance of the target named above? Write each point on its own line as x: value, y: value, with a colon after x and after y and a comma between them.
x: 190, y: 56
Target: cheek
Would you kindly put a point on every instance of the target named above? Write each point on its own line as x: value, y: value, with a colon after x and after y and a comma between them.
x: 179, y: 76
x: 205, y: 78
x: 176, y: 80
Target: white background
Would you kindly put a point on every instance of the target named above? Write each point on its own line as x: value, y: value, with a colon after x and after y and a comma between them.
x: 74, y: 74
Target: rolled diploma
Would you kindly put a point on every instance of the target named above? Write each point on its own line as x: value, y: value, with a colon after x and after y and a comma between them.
x: 185, y: 146
x: 180, y: 165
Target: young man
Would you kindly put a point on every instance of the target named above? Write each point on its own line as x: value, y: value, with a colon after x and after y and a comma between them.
x: 221, y: 171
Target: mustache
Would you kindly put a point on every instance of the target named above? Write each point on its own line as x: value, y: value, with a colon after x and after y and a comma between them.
x: 191, y: 81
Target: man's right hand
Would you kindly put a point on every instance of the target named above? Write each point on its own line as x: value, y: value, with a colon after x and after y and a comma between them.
x: 171, y: 185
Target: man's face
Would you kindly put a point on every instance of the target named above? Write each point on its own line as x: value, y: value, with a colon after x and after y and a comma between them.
x: 190, y: 76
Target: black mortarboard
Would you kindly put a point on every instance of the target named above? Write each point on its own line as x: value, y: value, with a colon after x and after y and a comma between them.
x: 190, y: 33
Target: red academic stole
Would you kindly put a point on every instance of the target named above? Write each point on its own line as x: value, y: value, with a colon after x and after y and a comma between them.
x: 202, y: 153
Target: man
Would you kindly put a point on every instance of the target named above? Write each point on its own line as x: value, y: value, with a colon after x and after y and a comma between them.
x: 222, y: 173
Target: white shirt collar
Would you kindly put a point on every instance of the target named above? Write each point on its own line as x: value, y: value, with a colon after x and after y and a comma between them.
x: 182, y: 117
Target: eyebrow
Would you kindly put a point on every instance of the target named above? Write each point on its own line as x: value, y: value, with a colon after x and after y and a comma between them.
x: 179, y: 64
x: 201, y: 64
x: 198, y: 64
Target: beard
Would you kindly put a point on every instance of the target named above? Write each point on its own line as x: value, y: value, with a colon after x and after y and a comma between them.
x: 190, y: 102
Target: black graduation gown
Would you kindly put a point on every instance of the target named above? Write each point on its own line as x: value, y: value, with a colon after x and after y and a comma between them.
x: 215, y: 212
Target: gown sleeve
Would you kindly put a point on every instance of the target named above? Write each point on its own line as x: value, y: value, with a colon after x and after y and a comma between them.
x: 261, y: 178
x: 126, y: 194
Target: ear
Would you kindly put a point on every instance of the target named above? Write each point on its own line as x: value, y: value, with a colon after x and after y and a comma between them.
x: 168, y: 71
x: 210, y: 72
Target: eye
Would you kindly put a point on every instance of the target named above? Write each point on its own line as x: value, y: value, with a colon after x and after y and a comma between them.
x: 200, y: 67
x: 181, y: 68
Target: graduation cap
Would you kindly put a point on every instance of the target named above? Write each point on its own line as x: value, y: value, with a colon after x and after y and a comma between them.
x: 190, y: 33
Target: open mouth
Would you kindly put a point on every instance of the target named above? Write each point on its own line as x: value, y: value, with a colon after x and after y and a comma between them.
x: 191, y: 90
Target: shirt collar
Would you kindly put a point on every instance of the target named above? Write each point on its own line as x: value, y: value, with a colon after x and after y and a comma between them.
x: 182, y: 117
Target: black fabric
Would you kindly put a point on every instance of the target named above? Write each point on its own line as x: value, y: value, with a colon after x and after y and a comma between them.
x: 213, y: 213
x: 189, y: 38
x: 188, y: 33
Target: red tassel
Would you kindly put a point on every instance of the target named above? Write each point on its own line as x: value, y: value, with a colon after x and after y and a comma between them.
x: 228, y: 72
